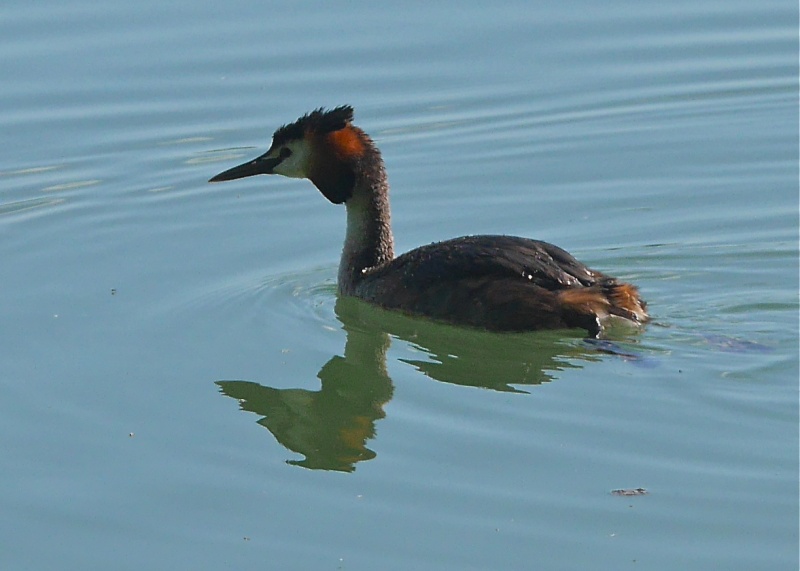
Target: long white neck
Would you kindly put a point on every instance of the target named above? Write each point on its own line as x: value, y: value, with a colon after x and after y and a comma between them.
x: 368, y: 242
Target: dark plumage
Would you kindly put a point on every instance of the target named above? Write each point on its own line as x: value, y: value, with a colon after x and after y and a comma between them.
x: 500, y: 283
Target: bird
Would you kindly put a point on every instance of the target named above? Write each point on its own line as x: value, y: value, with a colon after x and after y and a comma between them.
x: 492, y: 282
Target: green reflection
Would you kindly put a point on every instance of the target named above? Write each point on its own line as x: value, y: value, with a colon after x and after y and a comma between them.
x: 330, y: 427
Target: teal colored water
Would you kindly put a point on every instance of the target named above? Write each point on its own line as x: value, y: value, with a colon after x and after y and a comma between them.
x: 182, y: 388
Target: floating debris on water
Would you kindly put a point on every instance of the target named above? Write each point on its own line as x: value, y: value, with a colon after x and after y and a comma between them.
x: 630, y: 492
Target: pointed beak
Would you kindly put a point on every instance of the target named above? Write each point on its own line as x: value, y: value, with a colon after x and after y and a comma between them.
x: 261, y: 165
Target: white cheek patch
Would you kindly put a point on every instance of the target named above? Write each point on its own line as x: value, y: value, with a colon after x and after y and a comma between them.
x: 295, y: 165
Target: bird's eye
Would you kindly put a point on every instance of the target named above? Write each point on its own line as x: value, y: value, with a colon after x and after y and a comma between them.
x: 285, y: 153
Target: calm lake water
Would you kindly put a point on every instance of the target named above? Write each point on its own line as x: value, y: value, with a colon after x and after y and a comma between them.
x: 183, y: 390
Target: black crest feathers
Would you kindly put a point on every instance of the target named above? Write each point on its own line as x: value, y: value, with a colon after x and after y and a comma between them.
x: 319, y: 121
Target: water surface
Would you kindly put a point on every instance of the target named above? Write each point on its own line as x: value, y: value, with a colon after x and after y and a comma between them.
x: 184, y: 390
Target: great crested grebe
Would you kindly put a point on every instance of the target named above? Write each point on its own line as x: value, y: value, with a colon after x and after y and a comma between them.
x: 500, y: 283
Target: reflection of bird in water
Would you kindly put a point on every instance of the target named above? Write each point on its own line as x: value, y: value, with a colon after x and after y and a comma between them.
x: 331, y: 426
x: 329, y: 429
x: 501, y: 283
